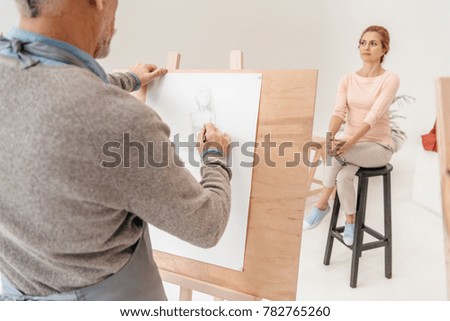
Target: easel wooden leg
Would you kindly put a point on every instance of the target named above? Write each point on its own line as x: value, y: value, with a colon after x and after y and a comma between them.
x: 312, y: 170
x: 173, y: 60
x: 236, y: 60
x: 319, y: 153
x: 187, y: 285
x: 185, y: 294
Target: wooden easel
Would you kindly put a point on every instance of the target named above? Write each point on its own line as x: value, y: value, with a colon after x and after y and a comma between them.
x: 443, y: 139
x: 276, y: 203
x: 320, y: 154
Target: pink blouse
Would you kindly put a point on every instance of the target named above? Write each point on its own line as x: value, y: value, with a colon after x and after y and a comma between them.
x: 361, y: 99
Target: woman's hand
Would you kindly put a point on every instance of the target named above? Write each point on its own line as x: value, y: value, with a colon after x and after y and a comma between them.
x: 346, y: 144
x: 336, y: 145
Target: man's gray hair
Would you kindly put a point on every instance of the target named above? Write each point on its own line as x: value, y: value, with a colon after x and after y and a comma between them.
x: 35, y: 8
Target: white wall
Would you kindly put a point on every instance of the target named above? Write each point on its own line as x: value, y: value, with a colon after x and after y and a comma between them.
x: 282, y: 34
x: 288, y: 34
x: 8, y: 15
x: 297, y: 34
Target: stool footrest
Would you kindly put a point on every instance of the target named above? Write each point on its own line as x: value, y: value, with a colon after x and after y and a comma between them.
x: 338, y: 236
x: 374, y: 233
x: 366, y: 229
x: 373, y: 245
x: 382, y: 241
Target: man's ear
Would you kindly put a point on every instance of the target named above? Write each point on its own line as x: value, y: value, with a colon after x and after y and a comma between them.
x: 99, y: 4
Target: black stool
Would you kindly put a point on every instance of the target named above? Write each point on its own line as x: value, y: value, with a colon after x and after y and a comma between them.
x: 358, y: 245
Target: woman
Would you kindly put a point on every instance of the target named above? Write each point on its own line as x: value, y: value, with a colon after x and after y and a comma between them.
x: 363, y: 100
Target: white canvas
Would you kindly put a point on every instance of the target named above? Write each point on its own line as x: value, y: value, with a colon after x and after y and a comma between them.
x: 231, y: 101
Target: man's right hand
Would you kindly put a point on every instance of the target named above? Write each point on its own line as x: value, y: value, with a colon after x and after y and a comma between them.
x: 210, y: 137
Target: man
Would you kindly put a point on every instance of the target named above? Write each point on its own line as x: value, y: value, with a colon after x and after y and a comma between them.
x: 73, y: 221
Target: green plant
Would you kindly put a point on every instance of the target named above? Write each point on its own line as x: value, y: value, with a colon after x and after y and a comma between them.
x: 398, y: 135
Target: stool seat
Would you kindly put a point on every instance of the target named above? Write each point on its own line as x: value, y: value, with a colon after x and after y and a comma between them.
x: 382, y: 240
x: 376, y: 171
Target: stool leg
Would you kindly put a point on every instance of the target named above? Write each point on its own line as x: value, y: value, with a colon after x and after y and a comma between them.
x: 363, y: 214
x: 333, y: 224
x: 359, y: 222
x: 387, y: 225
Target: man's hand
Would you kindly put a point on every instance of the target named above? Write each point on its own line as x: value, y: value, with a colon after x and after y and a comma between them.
x: 147, y: 73
x: 210, y: 137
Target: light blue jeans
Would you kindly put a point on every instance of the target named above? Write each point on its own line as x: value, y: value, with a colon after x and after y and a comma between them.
x: 138, y: 280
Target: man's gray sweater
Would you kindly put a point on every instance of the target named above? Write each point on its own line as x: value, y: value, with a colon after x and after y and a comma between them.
x: 66, y: 222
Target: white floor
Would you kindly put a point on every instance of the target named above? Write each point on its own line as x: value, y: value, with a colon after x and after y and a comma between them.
x: 418, y: 253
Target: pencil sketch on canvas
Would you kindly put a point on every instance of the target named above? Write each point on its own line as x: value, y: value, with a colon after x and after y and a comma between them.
x: 186, y: 101
x: 205, y: 112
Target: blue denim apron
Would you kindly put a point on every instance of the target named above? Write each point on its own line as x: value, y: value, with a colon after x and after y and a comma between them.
x: 138, y: 280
